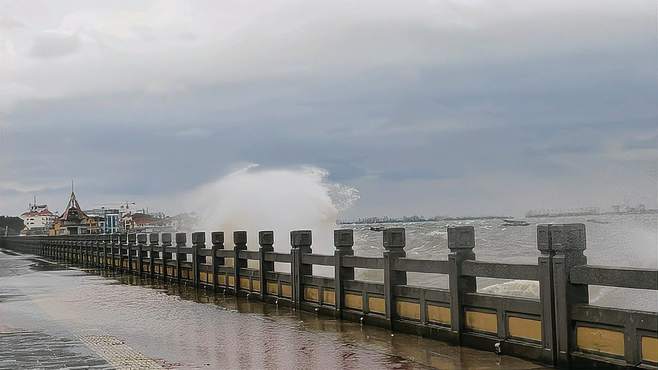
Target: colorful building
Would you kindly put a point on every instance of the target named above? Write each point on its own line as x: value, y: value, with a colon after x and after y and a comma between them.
x: 38, y: 220
x: 73, y: 221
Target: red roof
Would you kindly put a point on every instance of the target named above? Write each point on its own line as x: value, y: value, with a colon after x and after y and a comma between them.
x: 46, y: 212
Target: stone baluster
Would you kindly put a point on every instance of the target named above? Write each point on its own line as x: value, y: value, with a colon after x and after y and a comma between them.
x: 344, y: 242
x: 461, y: 241
x: 394, y: 242
x: 266, y: 243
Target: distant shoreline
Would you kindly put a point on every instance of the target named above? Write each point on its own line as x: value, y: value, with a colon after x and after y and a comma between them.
x: 416, y: 219
x: 374, y: 220
x: 570, y: 214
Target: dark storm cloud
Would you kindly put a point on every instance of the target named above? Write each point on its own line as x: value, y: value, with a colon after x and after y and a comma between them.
x: 450, y: 115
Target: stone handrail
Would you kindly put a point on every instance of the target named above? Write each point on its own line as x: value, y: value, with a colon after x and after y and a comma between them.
x: 561, y: 327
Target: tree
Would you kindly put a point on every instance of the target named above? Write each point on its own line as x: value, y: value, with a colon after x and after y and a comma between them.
x: 14, y: 225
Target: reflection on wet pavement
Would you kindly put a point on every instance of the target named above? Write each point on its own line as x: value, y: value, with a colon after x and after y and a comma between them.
x: 190, y: 328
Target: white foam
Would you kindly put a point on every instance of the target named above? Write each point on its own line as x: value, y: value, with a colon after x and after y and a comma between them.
x: 282, y: 200
x: 517, y: 288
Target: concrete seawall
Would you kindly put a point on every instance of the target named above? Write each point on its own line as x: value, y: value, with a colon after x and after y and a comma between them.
x: 560, y: 328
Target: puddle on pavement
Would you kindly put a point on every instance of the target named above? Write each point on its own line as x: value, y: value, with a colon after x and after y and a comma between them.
x: 43, y: 265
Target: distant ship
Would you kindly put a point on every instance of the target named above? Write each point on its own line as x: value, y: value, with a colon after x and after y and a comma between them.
x: 595, y: 221
x: 509, y: 222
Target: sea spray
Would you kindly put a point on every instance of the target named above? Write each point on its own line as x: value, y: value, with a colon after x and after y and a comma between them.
x: 254, y: 199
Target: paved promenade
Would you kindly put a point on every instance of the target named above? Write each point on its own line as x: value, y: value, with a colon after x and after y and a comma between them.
x: 53, y: 317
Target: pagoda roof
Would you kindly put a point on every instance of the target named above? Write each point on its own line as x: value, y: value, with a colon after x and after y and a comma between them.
x: 73, y: 211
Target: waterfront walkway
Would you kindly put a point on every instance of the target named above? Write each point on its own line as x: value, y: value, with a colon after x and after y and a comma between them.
x: 52, y: 316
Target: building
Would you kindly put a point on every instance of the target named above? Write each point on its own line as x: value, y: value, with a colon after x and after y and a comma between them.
x: 73, y: 221
x: 107, y: 219
x: 141, y: 222
x: 38, y: 220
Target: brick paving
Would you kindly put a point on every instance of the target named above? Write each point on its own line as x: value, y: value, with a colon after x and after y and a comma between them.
x: 35, y: 350
x: 116, y: 352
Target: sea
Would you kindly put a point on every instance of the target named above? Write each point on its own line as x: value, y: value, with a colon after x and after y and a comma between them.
x: 623, y: 240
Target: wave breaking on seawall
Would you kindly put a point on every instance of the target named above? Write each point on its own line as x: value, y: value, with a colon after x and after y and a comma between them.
x: 255, y: 199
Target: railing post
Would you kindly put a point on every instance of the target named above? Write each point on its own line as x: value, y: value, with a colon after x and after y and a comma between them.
x: 132, y: 243
x: 344, y: 242
x: 266, y: 242
x: 94, y: 249
x: 153, y: 252
x: 141, y: 252
x: 78, y: 245
x: 461, y: 241
x: 394, y: 243
x: 240, y: 242
x: 217, y: 240
x: 67, y: 246
x: 198, y: 242
x: 546, y: 298
x: 104, y: 242
x: 181, y: 242
x: 118, y: 260
x: 90, y: 244
x: 114, y: 240
x: 568, y: 241
x: 74, y: 243
x: 85, y: 244
x: 60, y: 251
x: 301, y: 241
x: 166, y: 255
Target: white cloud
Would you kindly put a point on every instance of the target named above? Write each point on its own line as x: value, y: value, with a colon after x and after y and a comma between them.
x: 420, y: 96
x: 162, y: 46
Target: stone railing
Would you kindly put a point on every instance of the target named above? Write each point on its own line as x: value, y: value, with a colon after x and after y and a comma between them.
x: 560, y: 327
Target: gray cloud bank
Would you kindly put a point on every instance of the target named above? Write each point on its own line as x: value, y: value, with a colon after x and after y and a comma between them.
x: 429, y: 108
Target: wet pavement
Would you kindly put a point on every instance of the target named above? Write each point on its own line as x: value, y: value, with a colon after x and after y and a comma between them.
x: 54, y: 316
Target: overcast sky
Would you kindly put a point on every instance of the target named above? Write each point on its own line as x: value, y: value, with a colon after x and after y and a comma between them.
x: 427, y: 107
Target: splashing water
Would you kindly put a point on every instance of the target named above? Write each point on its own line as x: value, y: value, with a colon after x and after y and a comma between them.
x: 517, y: 288
x: 281, y: 200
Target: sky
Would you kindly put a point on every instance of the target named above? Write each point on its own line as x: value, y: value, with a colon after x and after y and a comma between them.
x: 426, y: 107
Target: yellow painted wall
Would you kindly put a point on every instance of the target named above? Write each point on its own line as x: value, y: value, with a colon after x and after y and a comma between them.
x: 354, y: 301
x: 519, y: 327
x: 312, y: 294
x: 408, y: 310
x: 600, y: 340
x: 272, y: 288
x: 650, y: 349
x: 438, y: 314
x: 329, y: 297
x: 377, y: 305
x: 481, y: 321
x: 286, y: 290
